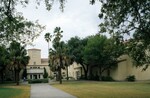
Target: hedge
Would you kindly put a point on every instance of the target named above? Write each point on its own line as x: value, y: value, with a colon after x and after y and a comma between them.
x: 38, y: 81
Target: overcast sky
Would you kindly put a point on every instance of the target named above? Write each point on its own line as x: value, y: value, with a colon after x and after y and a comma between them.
x: 78, y: 19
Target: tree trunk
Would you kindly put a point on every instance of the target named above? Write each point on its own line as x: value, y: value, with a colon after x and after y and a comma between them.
x: 2, y: 76
x: 85, y: 70
x: 17, y: 77
x: 67, y: 74
x: 100, y: 74
x: 60, y: 77
x: 61, y: 65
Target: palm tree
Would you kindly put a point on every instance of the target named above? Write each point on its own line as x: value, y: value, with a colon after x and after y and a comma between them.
x: 58, y: 56
x: 59, y: 60
x: 18, y: 58
x: 58, y: 48
x: 48, y: 37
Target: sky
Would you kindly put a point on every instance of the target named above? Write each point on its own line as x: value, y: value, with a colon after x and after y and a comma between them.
x: 78, y: 19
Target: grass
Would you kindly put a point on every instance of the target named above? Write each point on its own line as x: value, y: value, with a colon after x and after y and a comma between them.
x: 13, y: 91
x: 91, y: 89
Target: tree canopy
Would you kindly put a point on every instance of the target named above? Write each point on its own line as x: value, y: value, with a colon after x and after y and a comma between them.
x: 76, y: 46
x: 57, y: 54
x: 132, y: 17
x: 18, y: 58
x: 13, y: 26
x: 102, y: 52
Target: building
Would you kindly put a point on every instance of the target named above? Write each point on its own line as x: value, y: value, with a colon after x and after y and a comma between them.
x: 75, y: 71
x: 127, y: 68
x: 35, y: 68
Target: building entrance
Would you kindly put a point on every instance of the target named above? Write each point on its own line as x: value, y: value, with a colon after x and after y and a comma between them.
x: 35, y: 76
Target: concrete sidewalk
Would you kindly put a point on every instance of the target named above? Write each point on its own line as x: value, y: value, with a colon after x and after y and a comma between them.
x: 47, y: 91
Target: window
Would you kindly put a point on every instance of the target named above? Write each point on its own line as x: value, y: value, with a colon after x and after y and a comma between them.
x: 30, y: 76
x: 63, y: 72
x: 34, y: 67
x: 39, y: 76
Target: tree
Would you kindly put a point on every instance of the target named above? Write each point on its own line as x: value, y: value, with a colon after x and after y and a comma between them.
x: 139, y: 54
x: 3, y: 61
x: 57, y: 55
x: 18, y: 58
x: 67, y: 58
x: 45, y: 75
x: 76, y: 45
x: 19, y: 29
x: 24, y: 75
x: 130, y: 17
x: 101, y: 52
x: 48, y: 37
x: 13, y: 26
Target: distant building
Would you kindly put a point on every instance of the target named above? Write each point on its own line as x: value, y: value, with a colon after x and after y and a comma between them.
x: 35, y: 68
x: 127, y: 68
x: 75, y: 71
x: 124, y: 69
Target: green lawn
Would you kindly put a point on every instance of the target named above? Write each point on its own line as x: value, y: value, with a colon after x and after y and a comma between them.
x: 12, y: 91
x: 91, y: 89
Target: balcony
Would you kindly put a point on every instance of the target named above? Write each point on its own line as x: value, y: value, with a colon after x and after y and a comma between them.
x: 36, y: 70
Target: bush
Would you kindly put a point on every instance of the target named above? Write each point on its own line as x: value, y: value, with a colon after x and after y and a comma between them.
x: 93, y: 77
x: 107, y: 78
x: 130, y: 78
x: 38, y: 81
x: 9, y: 79
x: 51, y: 77
x: 82, y: 77
x: 45, y: 75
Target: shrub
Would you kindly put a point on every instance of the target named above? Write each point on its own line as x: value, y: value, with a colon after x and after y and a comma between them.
x: 82, y: 77
x: 51, y: 77
x: 45, y: 75
x: 130, y: 78
x: 38, y: 81
x: 9, y: 79
x: 107, y: 78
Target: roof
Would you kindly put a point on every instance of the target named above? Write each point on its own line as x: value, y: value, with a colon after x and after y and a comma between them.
x: 44, y: 59
x: 38, y: 65
x: 35, y: 49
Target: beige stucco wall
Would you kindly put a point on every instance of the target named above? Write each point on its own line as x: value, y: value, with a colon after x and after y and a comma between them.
x: 74, y: 70
x: 35, y: 56
x: 141, y: 75
x: 127, y: 68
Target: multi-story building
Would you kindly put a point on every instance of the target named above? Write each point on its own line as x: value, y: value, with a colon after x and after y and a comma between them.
x: 35, y: 68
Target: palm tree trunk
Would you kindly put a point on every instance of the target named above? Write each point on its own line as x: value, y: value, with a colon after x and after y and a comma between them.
x: 61, y: 65
x: 67, y: 73
x: 60, y: 77
x: 17, y: 77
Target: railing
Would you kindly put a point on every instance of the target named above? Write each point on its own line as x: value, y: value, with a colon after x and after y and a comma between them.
x: 35, y: 70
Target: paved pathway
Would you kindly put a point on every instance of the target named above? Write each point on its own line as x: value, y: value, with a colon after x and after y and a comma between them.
x: 47, y: 91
